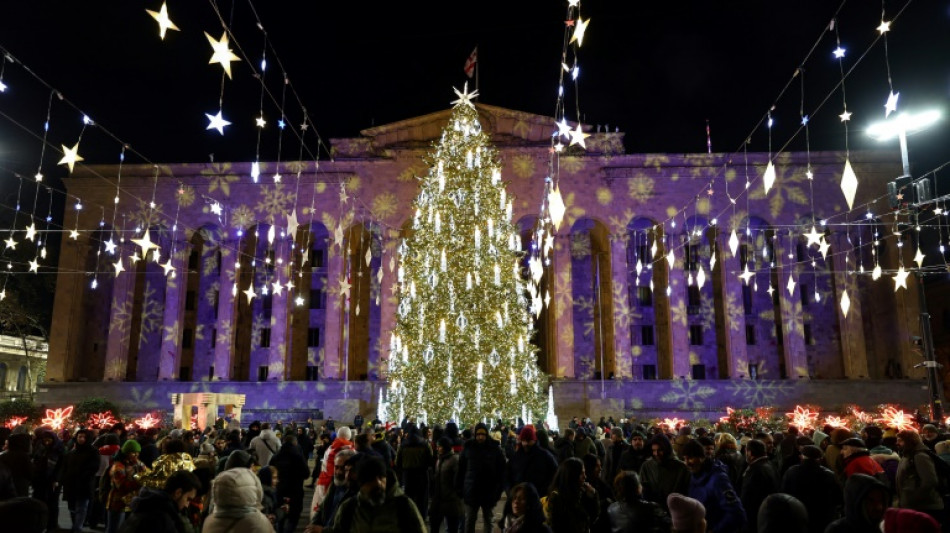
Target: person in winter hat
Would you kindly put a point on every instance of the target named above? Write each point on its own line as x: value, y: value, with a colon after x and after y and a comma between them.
x: 781, y: 513
x: 236, y: 495
x: 689, y: 515
x: 909, y: 521
x: 865, y: 501
x: 709, y: 484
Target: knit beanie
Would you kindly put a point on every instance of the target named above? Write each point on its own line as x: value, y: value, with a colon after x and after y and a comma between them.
x: 528, y: 434
x: 901, y: 520
x: 688, y: 514
x: 693, y: 448
x: 131, y: 446
x: 206, y: 448
x: 344, y: 433
x: 782, y: 513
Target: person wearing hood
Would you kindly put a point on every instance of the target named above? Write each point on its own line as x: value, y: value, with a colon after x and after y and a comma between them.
x: 865, y: 501
x: 341, y: 442
x: 583, y: 444
x: 253, y: 431
x: 815, y: 486
x: 79, y: 470
x: 273, y: 507
x: 637, y: 454
x: 265, y: 444
x: 452, y: 432
x: 17, y: 460
x: 531, y: 463
x: 917, y: 476
x: 526, y: 514
x: 663, y: 474
x: 236, y: 496
x: 631, y: 513
x: 908, y: 521
x: 379, y: 506
x: 292, y: 470
x: 781, y: 513
x: 47, y: 464
x: 446, y: 503
x: 160, y: 511
x: 480, y: 477
x: 856, y: 459
x: 709, y: 484
x: 413, y: 460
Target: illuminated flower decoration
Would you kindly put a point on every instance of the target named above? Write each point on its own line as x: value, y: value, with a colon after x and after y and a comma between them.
x: 101, y: 420
x: 802, y: 417
x: 725, y: 419
x: 835, y: 421
x: 861, y: 416
x: 672, y: 423
x: 896, y: 418
x: 14, y: 421
x: 56, y: 418
x: 764, y: 413
x: 147, y: 422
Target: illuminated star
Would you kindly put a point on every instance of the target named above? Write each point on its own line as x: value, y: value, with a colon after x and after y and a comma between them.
x: 145, y: 243
x: 260, y: 122
x: 216, y: 122
x: 343, y: 196
x: 3, y: 294
x: 747, y: 275
x: 3, y: 87
x: 31, y: 232
x: 846, y: 116
x: 292, y: 224
x: 304, y: 126
x: 919, y: 258
x: 168, y: 267
x: 277, y: 288
x: 823, y: 248
x: 573, y: 3
x: 164, y: 23
x: 298, y: 300
x: 250, y: 292
x: 563, y: 128
x: 118, y: 266
x: 134, y: 258
x: 281, y: 124
x: 289, y: 285
x: 11, y: 244
x: 891, y: 104
x: 805, y: 120
x: 277, y: 178
x: 345, y: 288
x: 34, y: 265
x: 464, y: 97
x: 884, y: 27
x: 222, y: 54
x: 579, y: 29
x: 770, y: 290
x: 70, y: 156
x: 110, y: 246
x: 900, y: 279
x: 216, y: 208
x: 338, y: 236
x: 578, y: 136
x: 74, y: 235
x: 813, y: 236
x: 839, y: 52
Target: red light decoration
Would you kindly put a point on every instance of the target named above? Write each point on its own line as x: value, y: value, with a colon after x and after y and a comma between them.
x: 56, y: 418
x: 147, y: 422
x: 14, y: 421
x: 672, y: 423
x: 861, y: 416
x: 101, y: 420
x: 194, y: 421
x: 725, y: 419
x: 802, y: 417
x: 835, y: 421
x: 896, y: 418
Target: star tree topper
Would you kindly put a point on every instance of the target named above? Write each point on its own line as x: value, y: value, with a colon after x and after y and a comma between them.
x: 464, y: 97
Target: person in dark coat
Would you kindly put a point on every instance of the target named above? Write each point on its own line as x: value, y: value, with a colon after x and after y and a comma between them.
x: 292, y: 470
x: 613, y: 454
x: 480, y: 478
x: 525, y: 514
x: 572, y: 505
x: 634, y: 456
x: 413, y: 460
x: 79, y: 470
x: 252, y: 431
x: 150, y: 450
x: 865, y: 502
x: 631, y: 513
x: 663, y: 474
x: 593, y: 472
x: 758, y: 481
x: 530, y: 463
x: 47, y: 463
x: 709, y: 484
x: 564, y: 447
x: 446, y: 504
x: 160, y: 511
x: 781, y: 513
x: 816, y: 487
x: 17, y: 459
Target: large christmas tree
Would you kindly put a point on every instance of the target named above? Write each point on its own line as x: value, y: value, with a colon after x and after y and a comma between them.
x: 461, y: 349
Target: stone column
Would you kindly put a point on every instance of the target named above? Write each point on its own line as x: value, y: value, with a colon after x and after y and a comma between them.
x: 388, y: 299
x: 907, y: 307
x: 120, y: 320
x: 562, y: 302
x: 278, y: 358
x: 675, y: 292
x: 64, y: 342
x: 790, y: 307
x: 227, y: 308
x: 730, y: 309
x: 174, y: 314
x: 854, y: 355
x: 333, y: 343
x: 623, y: 358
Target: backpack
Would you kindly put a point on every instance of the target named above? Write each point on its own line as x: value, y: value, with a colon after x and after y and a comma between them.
x: 403, y: 512
x: 942, y: 468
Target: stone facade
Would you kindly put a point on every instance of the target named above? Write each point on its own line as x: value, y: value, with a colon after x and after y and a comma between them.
x: 654, y: 325
x: 22, y: 365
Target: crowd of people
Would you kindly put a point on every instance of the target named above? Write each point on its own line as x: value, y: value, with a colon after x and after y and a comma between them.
x: 375, y: 477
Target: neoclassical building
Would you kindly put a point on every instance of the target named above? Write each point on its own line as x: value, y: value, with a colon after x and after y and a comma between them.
x: 626, y: 329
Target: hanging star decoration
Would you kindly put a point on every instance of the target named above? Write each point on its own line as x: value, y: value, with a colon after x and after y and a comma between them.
x: 891, y: 105
x: 222, y: 53
x: 277, y: 288
x: 900, y: 279
x: 118, y: 266
x: 110, y: 246
x: 791, y: 286
x: 578, y: 136
x: 919, y: 258
x: 747, y: 275
x: 3, y: 87
x: 298, y: 300
x: 839, y: 53
x: 70, y: 157
x: 292, y: 224
x: 770, y: 290
x: 11, y: 244
x: 250, y: 293
x: 464, y: 97
x: 823, y: 247
x: 813, y: 236
x: 164, y: 23
x: 34, y: 265
x: 216, y: 122
x: 31, y: 232
x: 74, y: 235
x: 338, y: 236
x: 884, y: 27
x: 260, y: 122
x: 168, y: 267
x: 580, y: 29
x: 345, y: 287
x: 563, y: 128
x: 145, y: 243
x: 216, y: 208
x: 846, y: 116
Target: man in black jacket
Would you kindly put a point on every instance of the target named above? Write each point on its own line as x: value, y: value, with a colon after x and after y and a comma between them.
x: 293, y: 471
x: 816, y: 487
x: 612, y: 461
x: 81, y: 465
x: 479, y: 478
x: 47, y: 463
x: 758, y: 481
x: 160, y: 511
x: 531, y: 463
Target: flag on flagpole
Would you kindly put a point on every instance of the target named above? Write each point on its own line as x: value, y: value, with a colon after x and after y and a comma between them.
x: 470, y: 63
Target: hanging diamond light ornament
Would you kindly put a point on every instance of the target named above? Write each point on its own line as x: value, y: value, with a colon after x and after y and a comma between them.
x: 845, y: 303
x: 876, y: 273
x: 768, y: 179
x: 849, y: 183
x: 791, y: 286
x: 700, y: 277
x: 556, y: 207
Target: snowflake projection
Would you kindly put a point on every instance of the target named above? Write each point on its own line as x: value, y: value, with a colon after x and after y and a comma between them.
x: 580, y: 245
x: 275, y: 369
x: 787, y: 187
x: 209, y: 263
x: 760, y: 392
x: 211, y: 294
x: 200, y: 332
x: 121, y: 317
x: 521, y: 127
x: 584, y: 311
x: 171, y: 333
x: 315, y: 356
x: 572, y: 212
x: 152, y: 311
x: 384, y: 205
x: 274, y: 202
x: 523, y: 166
x: 678, y: 313
x: 733, y: 308
x: 220, y: 176
x: 688, y: 394
x: 186, y: 195
x: 224, y: 335
x: 572, y: 165
x: 256, y: 328
x: 623, y: 314
x: 656, y: 161
x: 562, y: 292
x: 604, y: 196
x: 242, y: 216
x: 640, y: 188
x: 353, y: 184
x: 618, y: 223
x: 412, y: 173
x: 703, y: 205
x: 116, y: 368
x: 295, y: 167
x: 144, y: 216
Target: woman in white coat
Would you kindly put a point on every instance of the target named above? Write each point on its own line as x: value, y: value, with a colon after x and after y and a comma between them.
x: 236, y: 496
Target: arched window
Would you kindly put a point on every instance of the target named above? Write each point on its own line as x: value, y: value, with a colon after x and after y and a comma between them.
x: 3, y: 377
x: 21, y: 379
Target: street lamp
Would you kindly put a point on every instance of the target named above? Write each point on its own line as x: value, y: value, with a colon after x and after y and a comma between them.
x: 901, y: 126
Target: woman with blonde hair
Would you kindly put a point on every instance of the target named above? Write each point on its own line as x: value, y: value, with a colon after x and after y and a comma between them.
x: 727, y: 451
